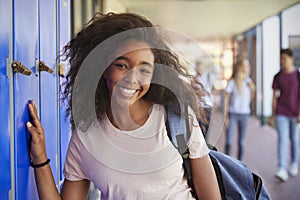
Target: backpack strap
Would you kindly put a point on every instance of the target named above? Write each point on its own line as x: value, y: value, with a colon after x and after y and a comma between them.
x: 179, y: 133
x: 177, y: 130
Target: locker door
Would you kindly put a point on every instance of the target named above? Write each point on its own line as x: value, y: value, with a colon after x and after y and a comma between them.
x: 5, y: 15
x: 25, y: 50
x: 48, y: 86
x: 64, y: 31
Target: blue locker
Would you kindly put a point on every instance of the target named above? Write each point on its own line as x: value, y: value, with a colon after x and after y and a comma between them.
x: 48, y: 83
x: 64, y: 36
x: 5, y: 121
x: 40, y: 29
x: 25, y: 50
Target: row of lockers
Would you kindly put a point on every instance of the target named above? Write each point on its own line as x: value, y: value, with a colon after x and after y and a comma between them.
x: 32, y: 33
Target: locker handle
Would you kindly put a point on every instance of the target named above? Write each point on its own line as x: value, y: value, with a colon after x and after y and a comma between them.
x: 62, y: 70
x: 44, y: 67
x: 20, y: 68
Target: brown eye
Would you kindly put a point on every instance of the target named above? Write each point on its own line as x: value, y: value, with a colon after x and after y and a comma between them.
x: 145, y: 71
x: 121, y: 66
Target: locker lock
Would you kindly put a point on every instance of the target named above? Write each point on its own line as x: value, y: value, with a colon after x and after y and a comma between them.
x: 20, y: 68
x: 44, y: 67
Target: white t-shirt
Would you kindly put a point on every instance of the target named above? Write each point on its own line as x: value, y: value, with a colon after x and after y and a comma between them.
x: 239, y: 103
x: 138, y: 164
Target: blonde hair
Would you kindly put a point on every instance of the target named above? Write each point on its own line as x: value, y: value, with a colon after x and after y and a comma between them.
x: 238, y: 75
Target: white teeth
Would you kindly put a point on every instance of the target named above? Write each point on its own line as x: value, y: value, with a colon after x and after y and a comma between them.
x: 128, y: 91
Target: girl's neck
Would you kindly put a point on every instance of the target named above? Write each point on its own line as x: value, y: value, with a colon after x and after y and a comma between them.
x: 132, y: 118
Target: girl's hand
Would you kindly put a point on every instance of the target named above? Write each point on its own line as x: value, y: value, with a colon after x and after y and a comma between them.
x: 226, y: 122
x: 37, y: 146
x: 298, y: 119
x: 251, y: 85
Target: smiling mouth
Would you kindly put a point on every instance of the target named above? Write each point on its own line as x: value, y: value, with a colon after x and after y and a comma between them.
x: 127, y: 92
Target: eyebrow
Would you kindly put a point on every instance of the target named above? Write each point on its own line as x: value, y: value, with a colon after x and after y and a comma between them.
x: 128, y: 60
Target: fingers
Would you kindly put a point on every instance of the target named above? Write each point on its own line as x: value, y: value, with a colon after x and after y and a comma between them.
x: 34, y: 114
x: 35, y: 128
x: 32, y: 109
x: 37, y: 144
x: 33, y: 132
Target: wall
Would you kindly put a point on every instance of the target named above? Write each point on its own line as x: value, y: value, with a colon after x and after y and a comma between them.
x: 291, y: 31
x: 290, y: 24
x: 270, y: 60
x: 116, y: 6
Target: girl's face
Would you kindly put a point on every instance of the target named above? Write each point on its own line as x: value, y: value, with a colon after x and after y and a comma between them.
x: 129, y: 76
x: 243, y: 70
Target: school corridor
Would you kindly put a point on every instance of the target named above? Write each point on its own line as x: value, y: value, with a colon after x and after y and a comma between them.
x: 260, y: 156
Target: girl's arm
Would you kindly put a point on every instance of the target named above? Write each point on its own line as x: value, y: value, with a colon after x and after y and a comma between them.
x: 204, y: 179
x: 75, y: 190
x: 43, y: 175
x: 71, y: 190
x: 203, y: 173
x: 252, y: 87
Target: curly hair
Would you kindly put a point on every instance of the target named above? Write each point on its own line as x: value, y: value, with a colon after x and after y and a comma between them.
x: 100, y: 28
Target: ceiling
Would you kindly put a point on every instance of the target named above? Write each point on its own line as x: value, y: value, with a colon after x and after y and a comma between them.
x: 208, y: 19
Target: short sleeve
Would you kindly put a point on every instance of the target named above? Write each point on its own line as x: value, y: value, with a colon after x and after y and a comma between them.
x: 274, y: 85
x: 197, y: 144
x: 73, y: 164
x: 230, y: 86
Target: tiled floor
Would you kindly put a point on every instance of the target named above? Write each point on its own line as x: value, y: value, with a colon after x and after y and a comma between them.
x: 260, y: 156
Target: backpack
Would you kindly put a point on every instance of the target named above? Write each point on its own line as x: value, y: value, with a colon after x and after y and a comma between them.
x: 236, y: 181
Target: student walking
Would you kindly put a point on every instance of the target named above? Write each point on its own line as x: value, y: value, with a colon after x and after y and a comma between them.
x: 238, y: 94
x: 285, y: 114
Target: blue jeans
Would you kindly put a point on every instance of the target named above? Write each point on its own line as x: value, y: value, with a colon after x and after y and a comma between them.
x: 287, y: 129
x: 240, y: 120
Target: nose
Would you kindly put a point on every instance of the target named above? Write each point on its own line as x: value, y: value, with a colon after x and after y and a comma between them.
x: 131, y: 76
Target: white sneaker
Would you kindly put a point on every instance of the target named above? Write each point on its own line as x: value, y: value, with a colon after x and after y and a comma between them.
x: 293, y: 169
x: 282, y: 175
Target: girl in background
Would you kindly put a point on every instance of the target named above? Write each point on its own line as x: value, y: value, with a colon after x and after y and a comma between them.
x: 238, y: 95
